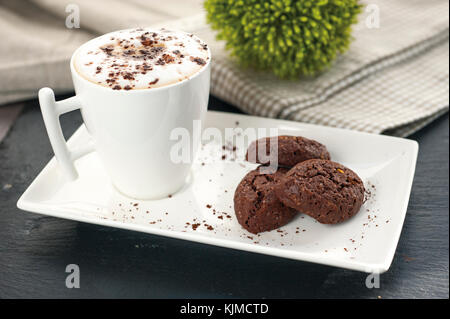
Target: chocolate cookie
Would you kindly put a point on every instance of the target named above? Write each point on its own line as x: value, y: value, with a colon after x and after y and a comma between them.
x: 291, y: 150
x: 256, y: 206
x: 322, y: 189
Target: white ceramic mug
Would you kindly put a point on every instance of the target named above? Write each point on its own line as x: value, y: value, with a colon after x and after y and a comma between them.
x: 130, y: 130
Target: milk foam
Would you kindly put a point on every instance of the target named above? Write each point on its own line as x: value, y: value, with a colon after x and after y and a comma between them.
x: 141, y: 58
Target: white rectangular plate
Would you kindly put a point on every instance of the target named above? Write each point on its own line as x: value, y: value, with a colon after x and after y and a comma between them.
x: 366, y: 242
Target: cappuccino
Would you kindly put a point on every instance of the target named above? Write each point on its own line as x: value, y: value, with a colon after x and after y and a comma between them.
x: 141, y: 58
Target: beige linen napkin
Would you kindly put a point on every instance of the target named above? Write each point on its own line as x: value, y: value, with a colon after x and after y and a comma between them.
x: 394, y: 79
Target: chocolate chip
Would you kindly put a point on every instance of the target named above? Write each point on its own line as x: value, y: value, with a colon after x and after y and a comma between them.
x: 199, y: 61
x: 128, y: 76
x: 168, y: 58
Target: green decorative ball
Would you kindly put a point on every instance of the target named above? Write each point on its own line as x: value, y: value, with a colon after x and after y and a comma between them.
x: 288, y: 37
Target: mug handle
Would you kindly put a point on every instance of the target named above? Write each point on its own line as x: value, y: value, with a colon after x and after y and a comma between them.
x: 51, y: 110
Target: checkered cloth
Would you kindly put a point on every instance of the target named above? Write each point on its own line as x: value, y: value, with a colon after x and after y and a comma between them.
x: 393, y: 80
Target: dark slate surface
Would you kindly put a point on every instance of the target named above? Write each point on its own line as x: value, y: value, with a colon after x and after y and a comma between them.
x: 34, y: 250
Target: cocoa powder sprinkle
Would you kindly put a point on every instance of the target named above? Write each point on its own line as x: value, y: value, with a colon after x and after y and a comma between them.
x: 199, y: 61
